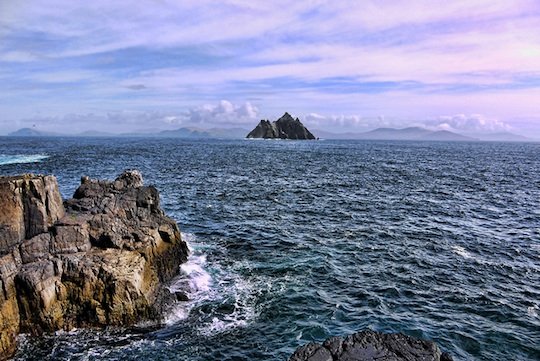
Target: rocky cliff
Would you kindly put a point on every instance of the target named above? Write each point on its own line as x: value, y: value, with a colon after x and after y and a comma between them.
x: 370, y: 346
x: 101, y: 258
x: 285, y: 127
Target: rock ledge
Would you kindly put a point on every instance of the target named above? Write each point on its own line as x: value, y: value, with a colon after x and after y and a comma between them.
x: 101, y: 258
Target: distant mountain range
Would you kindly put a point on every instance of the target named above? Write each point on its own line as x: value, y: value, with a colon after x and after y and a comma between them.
x: 31, y: 132
x: 411, y: 134
x: 422, y: 134
x: 502, y: 137
x: 187, y: 133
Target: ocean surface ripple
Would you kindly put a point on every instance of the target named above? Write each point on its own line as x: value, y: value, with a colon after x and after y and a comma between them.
x: 298, y: 241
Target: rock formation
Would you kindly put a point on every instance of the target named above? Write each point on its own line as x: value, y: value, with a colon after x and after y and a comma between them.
x: 370, y: 346
x: 285, y: 127
x: 101, y: 258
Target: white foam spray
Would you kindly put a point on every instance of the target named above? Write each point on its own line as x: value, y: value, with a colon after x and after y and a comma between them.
x: 21, y: 158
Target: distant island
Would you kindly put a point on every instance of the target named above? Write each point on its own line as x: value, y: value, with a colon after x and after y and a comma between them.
x: 31, y: 132
x: 285, y: 127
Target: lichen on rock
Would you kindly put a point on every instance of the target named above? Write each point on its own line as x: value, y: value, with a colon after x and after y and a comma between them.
x: 101, y: 258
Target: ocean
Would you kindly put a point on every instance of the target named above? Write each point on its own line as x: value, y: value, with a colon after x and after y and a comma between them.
x: 297, y: 241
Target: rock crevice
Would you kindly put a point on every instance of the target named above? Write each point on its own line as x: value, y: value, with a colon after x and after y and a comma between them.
x: 98, y: 259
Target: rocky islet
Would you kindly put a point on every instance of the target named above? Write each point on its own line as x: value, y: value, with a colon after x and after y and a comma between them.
x: 285, y: 127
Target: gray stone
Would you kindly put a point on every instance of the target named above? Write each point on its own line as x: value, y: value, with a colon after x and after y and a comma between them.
x: 370, y: 346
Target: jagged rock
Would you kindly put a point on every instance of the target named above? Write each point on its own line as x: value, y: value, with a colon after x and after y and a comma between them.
x: 285, y: 127
x: 29, y: 206
x: 101, y: 258
x: 370, y: 346
x: 9, y: 309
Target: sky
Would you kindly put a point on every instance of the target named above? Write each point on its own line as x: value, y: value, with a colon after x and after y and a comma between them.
x: 469, y: 66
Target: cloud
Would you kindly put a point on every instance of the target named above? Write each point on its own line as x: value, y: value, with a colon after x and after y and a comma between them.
x: 461, y: 123
x: 333, y: 121
x: 473, y: 123
x: 136, y: 87
x: 353, y: 123
x: 221, y: 114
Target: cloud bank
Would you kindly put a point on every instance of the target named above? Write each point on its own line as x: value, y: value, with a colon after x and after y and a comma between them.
x: 473, y: 123
x: 221, y: 115
x: 224, y: 113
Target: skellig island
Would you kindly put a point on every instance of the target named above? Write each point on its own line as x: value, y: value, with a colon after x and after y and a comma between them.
x: 101, y: 258
x: 285, y: 127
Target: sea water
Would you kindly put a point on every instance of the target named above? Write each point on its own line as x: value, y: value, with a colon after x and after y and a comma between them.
x: 297, y: 241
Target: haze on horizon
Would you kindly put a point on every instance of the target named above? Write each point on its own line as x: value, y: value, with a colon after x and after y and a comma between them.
x: 467, y: 66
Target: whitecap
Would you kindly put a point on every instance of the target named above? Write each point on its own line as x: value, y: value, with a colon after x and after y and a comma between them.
x: 241, y: 294
x: 229, y: 298
x: 194, y: 281
x: 21, y: 158
x: 533, y: 311
x: 461, y: 251
x: 196, y: 278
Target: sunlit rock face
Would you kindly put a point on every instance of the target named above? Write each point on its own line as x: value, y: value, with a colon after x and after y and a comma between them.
x: 101, y: 258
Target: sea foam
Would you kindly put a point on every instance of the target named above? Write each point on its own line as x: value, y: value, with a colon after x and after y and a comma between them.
x: 222, y: 297
x: 194, y: 281
x: 461, y: 251
x: 21, y: 158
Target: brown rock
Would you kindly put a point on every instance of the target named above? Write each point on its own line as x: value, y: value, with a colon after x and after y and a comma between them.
x: 29, y: 206
x: 9, y: 309
x: 12, y: 228
x: 35, y: 248
x: 102, y: 260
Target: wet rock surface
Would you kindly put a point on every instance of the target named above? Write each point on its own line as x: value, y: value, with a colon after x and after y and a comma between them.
x: 370, y: 346
x: 285, y: 127
x: 101, y: 258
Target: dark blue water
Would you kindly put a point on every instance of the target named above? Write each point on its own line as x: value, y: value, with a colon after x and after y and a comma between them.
x: 298, y: 241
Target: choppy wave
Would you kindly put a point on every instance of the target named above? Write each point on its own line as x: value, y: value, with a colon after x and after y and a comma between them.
x: 20, y: 158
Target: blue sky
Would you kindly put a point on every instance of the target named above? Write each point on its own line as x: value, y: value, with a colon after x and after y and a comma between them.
x: 470, y: 66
